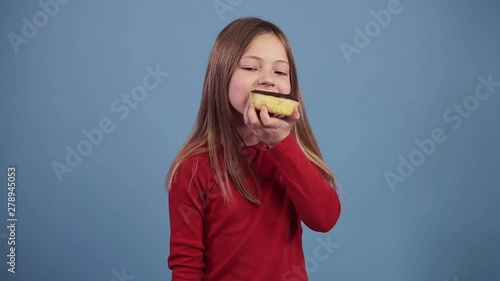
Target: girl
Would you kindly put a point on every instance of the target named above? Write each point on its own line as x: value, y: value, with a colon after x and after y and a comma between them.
x: 244, y: 181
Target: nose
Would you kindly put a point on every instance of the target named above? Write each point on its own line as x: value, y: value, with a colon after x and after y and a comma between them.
x: 266, y: 79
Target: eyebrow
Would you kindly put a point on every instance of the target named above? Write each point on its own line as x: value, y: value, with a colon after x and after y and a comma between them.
x: 258, y: 58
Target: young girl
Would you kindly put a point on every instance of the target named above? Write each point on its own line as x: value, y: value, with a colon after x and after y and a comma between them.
x: 244, y: 181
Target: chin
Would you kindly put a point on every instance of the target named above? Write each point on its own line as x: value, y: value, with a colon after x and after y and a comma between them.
x: 238, y: 112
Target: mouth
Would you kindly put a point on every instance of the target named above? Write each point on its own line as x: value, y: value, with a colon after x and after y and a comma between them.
x: 274, y: 94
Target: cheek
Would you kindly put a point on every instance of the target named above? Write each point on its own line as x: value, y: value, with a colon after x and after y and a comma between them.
x: 238, y: 91
x: 285, y: 86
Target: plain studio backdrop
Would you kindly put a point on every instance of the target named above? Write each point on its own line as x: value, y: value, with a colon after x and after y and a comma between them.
x: 98, y: 96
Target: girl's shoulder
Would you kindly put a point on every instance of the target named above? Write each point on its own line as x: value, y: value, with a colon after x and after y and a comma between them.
x: 194, y: 171
x: 198, y: 163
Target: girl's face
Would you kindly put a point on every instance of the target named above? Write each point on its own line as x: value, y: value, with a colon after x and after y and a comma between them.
x: 264, y: 66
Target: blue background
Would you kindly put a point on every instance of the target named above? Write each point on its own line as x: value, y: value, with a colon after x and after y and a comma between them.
x: 109, y: 216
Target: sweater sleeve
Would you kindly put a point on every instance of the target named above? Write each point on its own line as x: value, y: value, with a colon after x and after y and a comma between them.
x: 186, y: 224
x: 317, y: 204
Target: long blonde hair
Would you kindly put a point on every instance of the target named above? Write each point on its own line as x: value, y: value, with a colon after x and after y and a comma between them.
x: 215, y: 127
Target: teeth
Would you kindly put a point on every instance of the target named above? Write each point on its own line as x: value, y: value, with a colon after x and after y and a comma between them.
x: 279, y: 106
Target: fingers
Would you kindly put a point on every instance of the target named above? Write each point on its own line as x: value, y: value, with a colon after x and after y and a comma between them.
x: 252, y: 118
x: 245, y: 113
x: 295, y: 116
x: 264, y: 116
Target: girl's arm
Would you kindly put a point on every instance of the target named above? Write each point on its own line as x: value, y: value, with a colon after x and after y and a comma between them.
x: 186, y: 225
x: 316, y: 202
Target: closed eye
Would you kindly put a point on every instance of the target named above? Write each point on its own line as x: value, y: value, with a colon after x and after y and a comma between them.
x: 249, y: 68
x: 280, y: 72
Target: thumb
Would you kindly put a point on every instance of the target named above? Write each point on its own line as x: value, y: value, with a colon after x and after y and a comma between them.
x: 295, y: 116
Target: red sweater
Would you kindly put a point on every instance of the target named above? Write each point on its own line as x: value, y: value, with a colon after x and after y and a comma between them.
x: 212, y: 241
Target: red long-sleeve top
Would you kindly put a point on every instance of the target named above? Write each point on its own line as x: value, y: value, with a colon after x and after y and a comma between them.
x: 212, y: 241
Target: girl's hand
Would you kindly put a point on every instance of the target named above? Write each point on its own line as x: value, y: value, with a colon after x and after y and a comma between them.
x: 270, y: 130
